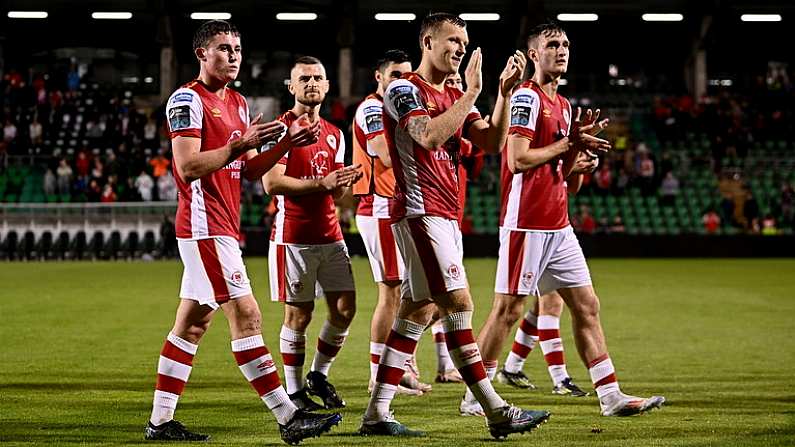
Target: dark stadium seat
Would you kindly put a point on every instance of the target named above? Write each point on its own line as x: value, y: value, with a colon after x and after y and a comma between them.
x: 10, y: 245
x: 44, y: 247
x: 77, y: 249
x: 61, y: 247
x: 149, y: 244
x: 113, y: 246
x: 96, y: 246
x: 27, y: 247
x: 131, y: 246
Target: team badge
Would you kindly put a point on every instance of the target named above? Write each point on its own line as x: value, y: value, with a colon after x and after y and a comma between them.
x: 318, y: 163
x: 527, y: 278
x: 332, y: 141
x: 237, y: 278
x: 243, y: 116
x: 566, y: 117
x: 297, y: 286
x: 454, y: 271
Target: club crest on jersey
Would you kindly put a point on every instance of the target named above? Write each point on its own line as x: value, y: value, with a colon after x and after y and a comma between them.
x: 332, y: 141
x: 566, y: 116
x: 243, y: 116
x: 297, y: 286
x: 527, y: 278
x: 454, y: 271
x: 234, y: 135
x: 237, y: 278
x: 319, y: 163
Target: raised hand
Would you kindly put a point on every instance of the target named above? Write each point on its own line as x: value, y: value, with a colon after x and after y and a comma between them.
x: 581, y: 137
x: 473, y: 74
x: 592, y: 124
x: 512, y: 73
x: 344, y: 177
x: 258, y: 133
x: 302, y: 132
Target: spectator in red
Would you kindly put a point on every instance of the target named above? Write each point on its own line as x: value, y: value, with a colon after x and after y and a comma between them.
x: 603, y: 179
x: 711, y: 222
x: 586, y: 222
x: 82, y: 164
x: 108, y: 195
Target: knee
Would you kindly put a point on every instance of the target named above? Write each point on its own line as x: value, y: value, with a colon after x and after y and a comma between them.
x: 508, y: 311
x: 344, y: 315
x: 297, y: 318
x: 249, y: 319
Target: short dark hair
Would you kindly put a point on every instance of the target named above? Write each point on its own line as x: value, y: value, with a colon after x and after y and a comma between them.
x: 546, y: 29
x: 209, y: 29
x: 307, y: 60
x: 434, y: 20
x: 392, y: 57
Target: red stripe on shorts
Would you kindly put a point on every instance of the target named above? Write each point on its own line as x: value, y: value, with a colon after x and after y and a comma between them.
x: 212, y: 266
x: 430, y: 263
x: 280, y: 273
x: 388, y: 250
x: 515, y: 260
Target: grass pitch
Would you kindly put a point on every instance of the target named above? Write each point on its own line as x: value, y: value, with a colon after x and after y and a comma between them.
x: 79, y: 346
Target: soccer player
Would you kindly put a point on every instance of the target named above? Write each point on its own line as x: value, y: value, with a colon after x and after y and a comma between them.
x: 374, y: 190
x: 214, y: 144
x: 538, y: 248
x: 308, y: 257
x: 541, y: 323
x: 424, y: 121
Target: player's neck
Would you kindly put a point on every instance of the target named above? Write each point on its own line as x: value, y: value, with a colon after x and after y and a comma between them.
x: 431, y: 75
x: 312, y: 112
x: 213, y: 85
x: 547, y: 83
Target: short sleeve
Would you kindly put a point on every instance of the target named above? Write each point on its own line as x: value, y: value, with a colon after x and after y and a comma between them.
x: 471, y: 117
x: 184, y: 113
x: 339, y: 159
x: 524, y: 112
x: 402, y: 100
x: 369, y: 118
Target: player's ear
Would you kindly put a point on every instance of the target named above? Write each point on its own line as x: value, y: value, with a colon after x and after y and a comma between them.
x: 201, y: 53
x: 290, y: 87
x: 532, y: 54
x: 426, y: 42
x: 377, y: 75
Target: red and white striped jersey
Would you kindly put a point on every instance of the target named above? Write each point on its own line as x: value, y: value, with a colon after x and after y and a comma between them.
x: 373, y: 205
x: 426, y: 180
x: 310, y: 218
x: 536, y: 199
x: 377, y: 184
x: 208, y: 206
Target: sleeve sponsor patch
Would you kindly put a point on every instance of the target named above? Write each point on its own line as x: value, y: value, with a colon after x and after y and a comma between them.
x: 520, y: 115
x: 182, y: 97
x: 374, y: 122
x: 521, y: 109
x: 405, y: 100
x: 179, y: 118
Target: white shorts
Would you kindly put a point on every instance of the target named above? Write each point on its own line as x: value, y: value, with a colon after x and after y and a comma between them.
x: 432, y: 250
x: 214, y: 271
x: 301, y: 273
x: 537, y: 262
x: 386, y: 263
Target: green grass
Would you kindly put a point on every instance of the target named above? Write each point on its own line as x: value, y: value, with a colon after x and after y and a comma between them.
x: 79, y: 346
